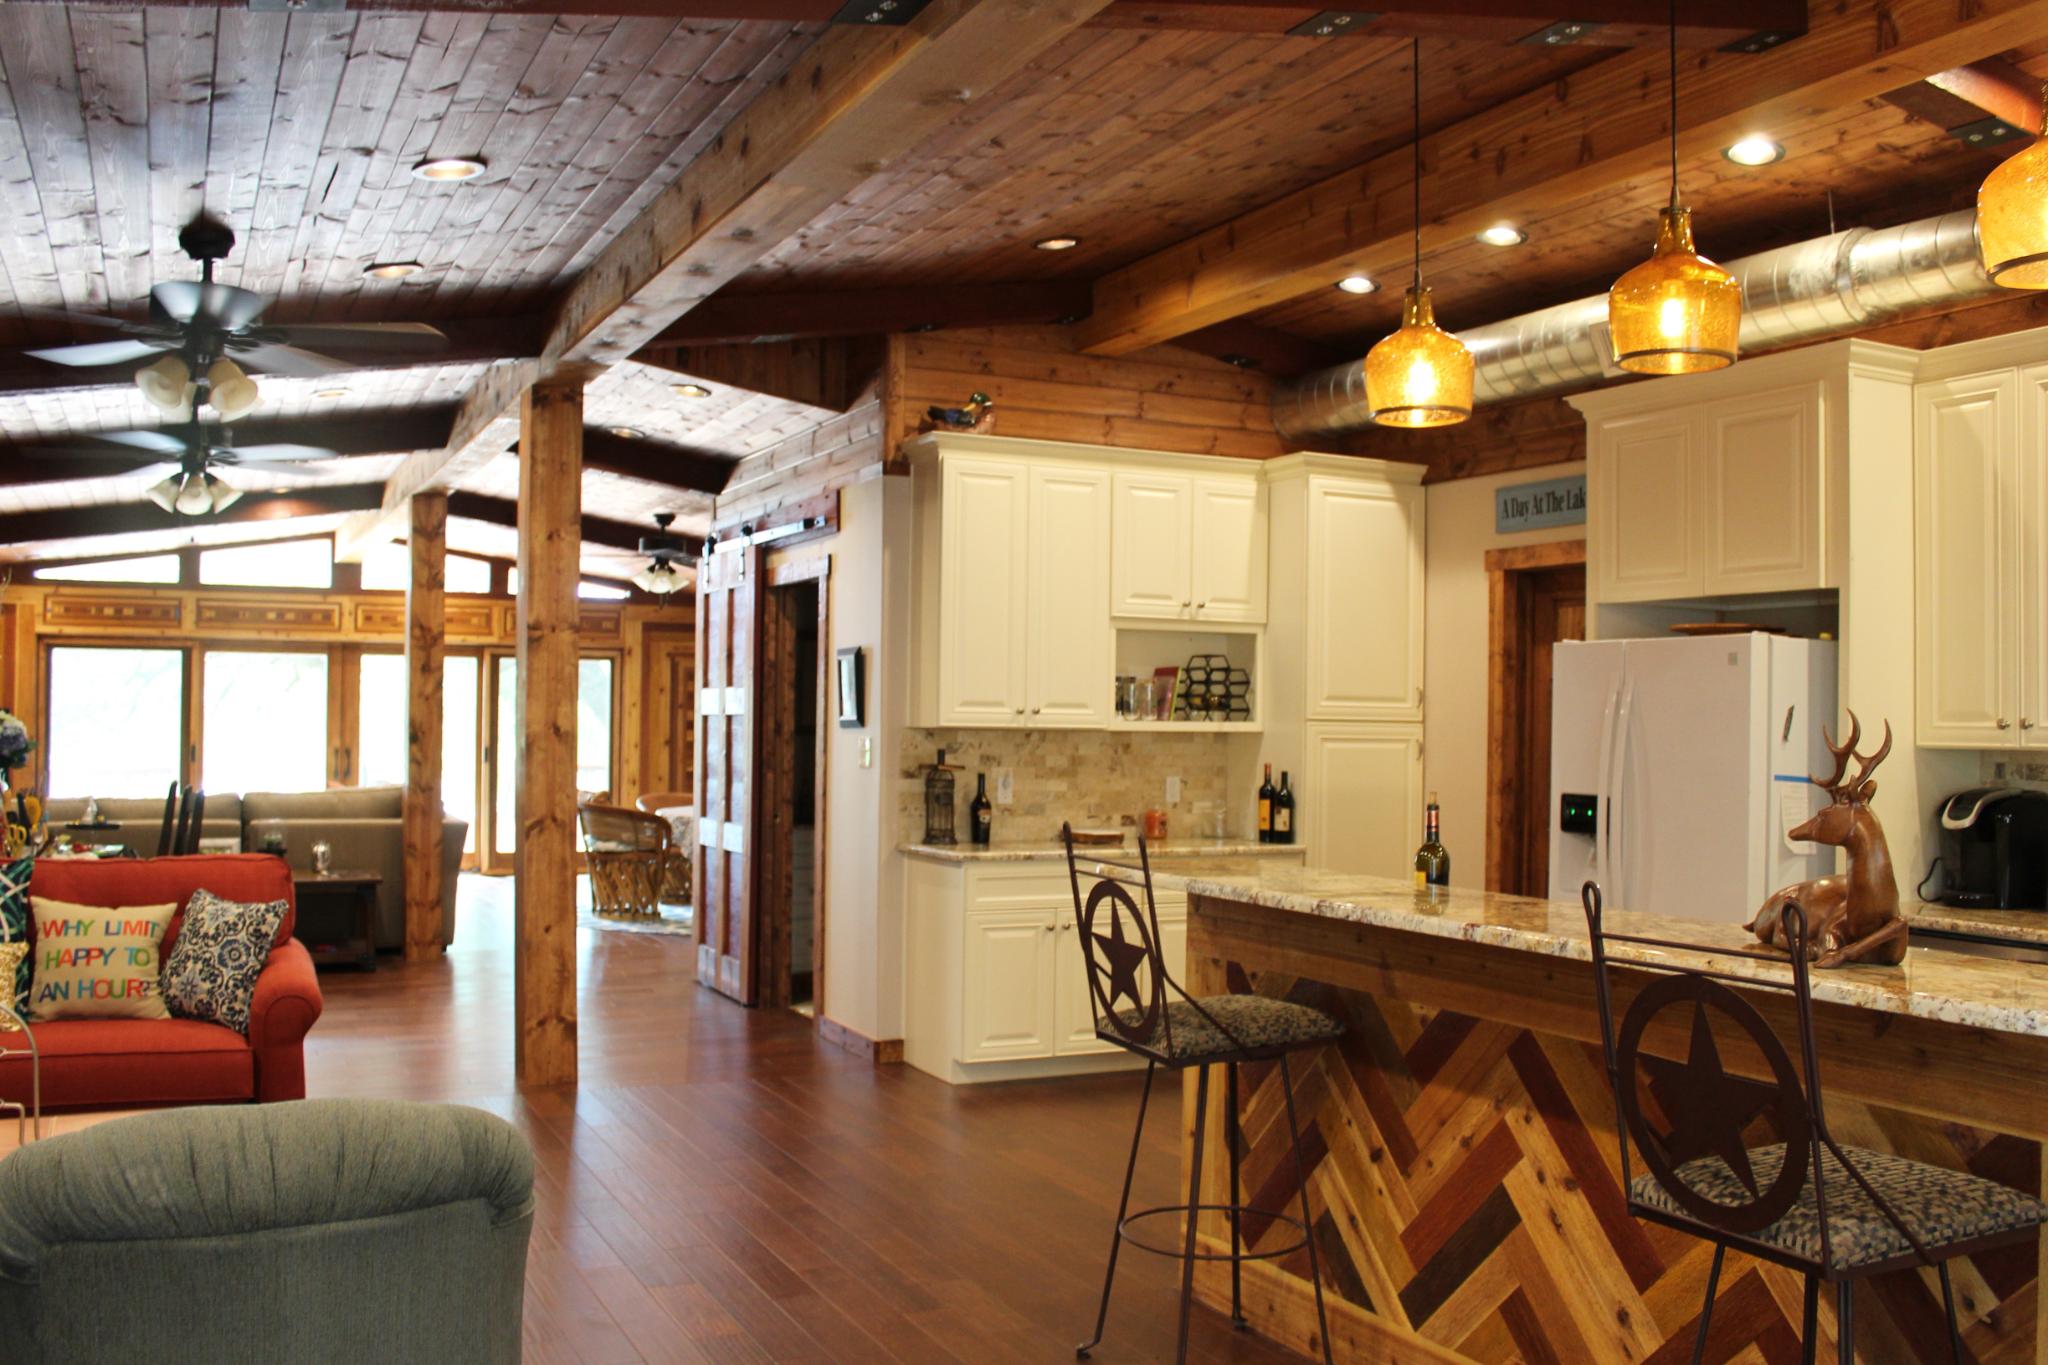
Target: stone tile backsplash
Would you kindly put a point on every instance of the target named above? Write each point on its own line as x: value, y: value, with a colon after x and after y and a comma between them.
x: 2016, y: 769
x: 1091, y: 777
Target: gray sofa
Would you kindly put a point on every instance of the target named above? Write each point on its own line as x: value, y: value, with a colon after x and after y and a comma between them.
x: 361, y: 824
x: 311, y: 1231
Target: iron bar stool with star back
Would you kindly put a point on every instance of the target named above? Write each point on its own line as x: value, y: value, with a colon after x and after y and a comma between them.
x: 1131, y: 993
x: 1836, y: 1214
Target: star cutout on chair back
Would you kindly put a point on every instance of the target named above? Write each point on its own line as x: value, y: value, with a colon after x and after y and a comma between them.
x: 1708, y: 1107
x: 1124, y: 960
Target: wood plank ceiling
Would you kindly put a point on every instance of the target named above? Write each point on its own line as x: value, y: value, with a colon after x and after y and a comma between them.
x: 1136, y: 131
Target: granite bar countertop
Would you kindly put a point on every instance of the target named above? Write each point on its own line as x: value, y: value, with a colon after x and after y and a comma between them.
x: 2028, y: 927
x: 1024, y: 851
x: 1980, y: 992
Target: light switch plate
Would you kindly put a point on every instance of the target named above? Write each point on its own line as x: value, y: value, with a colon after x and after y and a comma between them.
x: 867, y: 752
x: 1006, y: 790
x: 1173, y: 791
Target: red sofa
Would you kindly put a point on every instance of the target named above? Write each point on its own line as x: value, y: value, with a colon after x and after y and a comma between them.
x: 132, y: 1063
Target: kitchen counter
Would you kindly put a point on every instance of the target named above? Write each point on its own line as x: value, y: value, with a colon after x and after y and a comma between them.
x: 1035, y: 851
x: 1461, y: 1136
x: 2011, y: 926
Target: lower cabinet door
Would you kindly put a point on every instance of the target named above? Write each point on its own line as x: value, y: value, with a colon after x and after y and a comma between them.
x: 1076, y: 1000
x: 1009, y: 993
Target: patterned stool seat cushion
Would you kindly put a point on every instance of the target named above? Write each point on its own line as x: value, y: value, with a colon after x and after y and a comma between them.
x: 1943, y: 1207
x: 1255, y: 1021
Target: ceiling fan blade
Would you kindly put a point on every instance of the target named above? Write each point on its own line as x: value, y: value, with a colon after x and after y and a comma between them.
x: 278, y: 454
x: 225, y: 306
x: 91, y: 353
x: 29, y: 310
x: 155, y: 442
x: 388, y: 338
x: 264, y: 466
x: 270, y: 357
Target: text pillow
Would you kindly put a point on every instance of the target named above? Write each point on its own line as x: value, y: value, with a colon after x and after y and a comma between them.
x: 212, y: 970
x: 96, y: 962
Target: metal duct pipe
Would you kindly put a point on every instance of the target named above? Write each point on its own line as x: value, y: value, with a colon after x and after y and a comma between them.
x: 1803, y: 292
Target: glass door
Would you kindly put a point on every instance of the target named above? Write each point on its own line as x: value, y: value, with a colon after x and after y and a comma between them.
x: 381, y: 734
x: 596, y: 697
x: 116, y: 721
x: 263, y: 720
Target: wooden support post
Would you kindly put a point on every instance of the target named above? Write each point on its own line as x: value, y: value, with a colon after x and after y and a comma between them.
x: 550, y: 545
x: 426, y: 641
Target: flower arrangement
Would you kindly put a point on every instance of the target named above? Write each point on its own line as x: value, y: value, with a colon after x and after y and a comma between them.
x: 15, y: 742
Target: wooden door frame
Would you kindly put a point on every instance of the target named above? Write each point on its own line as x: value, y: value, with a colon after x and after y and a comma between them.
x: 1507, y: 574
x: 771, y: 949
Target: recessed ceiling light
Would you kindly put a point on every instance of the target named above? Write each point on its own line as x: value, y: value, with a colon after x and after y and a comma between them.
x: 1754, y: 150
x: 1503, y: 234
x: 450, y: 168
x: 626, y: 433
x: 330, y: 393
x: 392, y: 270
x: 690, y: 390
x: 280, y: 489
x: 1358, y: 284
x: 1057, y: 243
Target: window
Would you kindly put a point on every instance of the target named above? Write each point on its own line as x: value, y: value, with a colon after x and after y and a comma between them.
x: 381, y: 735
x: 117, y: 721
x: 389, y: 568
x: 593, y: 741
x: 280, y: 564
x: 146, y: 569
x: 264, y: 721
x: 585, y: 589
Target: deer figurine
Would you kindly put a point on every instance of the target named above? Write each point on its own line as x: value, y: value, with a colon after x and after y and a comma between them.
x: 1851, y: 916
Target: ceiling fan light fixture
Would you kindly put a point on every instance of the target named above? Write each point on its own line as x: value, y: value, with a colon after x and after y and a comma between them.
x: 392, y: 270
x: 626, y: 433
x: 165, y: 494
x: 231, y: 392
x: 167, y: 383
x: 195, y: 499
x: 659, y: 578
x: 2012, y: 216
x: 450, y: 168
x: 225, y: 495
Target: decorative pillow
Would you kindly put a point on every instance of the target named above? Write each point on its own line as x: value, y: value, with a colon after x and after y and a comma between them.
x: 212, y: 970
x: 97, y: 962
x: 12, y: 958
x: 14, y: 924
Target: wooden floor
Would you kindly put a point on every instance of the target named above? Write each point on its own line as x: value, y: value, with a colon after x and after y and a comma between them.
x: 724, y: 1187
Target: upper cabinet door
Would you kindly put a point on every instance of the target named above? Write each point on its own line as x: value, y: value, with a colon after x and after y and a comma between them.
x: 1965, y: 458
x: 1763, y: 492
x: 982, y: 593
x: 2032, y: 527
x: 1150, y: 547
x: 1071, y: 669
x: 1364, y: 624
x: 1229, y: 547
x: 1644, y: 507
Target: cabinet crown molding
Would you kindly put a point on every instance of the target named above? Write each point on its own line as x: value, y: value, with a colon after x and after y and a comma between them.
x: 933, y: 446
x: 2015, y: 349
x: 1828, y: 360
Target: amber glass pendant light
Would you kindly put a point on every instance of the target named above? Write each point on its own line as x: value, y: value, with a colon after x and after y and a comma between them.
x: 1678, y: 312
x: 1421, y: 376
x: 2012, y: 215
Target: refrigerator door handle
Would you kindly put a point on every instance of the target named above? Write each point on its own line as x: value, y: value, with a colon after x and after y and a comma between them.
x: 1616, y: 782
x: 1603, y: 807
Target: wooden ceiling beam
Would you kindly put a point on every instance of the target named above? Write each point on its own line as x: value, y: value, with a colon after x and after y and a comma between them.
x: 1998, y: 87
x: 74, y: 523
x: 830, y: 373
x: 504, y: 512
x: 1608, y: 23
x: 868, y: 312
x: 780, y: 11
x: 1522, y: 158
x: 655, y: 461
x: 856, y: 100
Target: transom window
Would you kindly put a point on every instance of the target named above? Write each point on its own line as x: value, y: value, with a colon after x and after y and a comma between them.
x: 142, y: 569
x: 279, y: 564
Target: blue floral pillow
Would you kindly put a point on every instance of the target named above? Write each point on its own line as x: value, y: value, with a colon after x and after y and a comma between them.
x: 14, y: 920
x: 221, y: 949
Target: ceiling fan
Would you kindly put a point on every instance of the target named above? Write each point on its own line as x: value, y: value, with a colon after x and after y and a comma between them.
x: 205, y: 335
x: 665, y: 554
x: 197, y: 449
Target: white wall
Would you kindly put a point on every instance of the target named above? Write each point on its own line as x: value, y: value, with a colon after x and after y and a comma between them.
x: 1455, y: 664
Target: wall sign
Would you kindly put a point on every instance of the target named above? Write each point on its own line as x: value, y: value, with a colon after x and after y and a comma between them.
x: 1536, y: 506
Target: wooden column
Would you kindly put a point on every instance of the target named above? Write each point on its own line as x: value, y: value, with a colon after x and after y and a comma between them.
x: 550, y: 543
x: 426, y: 642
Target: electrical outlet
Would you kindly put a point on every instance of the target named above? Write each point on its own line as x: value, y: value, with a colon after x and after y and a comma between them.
x: 1173, y: 791
x: 1006, y: 790
x: 867, y: 752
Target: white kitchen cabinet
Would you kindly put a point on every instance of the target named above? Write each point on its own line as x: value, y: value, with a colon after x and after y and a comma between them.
x: 1761, y: 491
x: 1363, y: 798
x: 983, y: 589
x: 1068, y: 649
x: 1188, y: 547
x: 1643, y: 506
x: 1009, y: 971
x: 1363, y: 627
x: 2032, y: 487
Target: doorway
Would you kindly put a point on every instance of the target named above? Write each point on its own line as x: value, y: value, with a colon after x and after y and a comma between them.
x: 792, y: 698
x: 1538, y: 597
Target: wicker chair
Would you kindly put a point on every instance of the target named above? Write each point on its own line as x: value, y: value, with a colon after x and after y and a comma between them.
x: 675, y: 888
x: 629, y: 854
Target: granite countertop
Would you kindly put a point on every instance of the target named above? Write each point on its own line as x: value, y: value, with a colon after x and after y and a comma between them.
x: 1981, y: 992
x: 2013, y: 926
x: 1024, y: 851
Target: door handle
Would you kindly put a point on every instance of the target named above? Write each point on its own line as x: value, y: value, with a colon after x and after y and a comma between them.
x: 2026, y: 724
x: 2004, y: 724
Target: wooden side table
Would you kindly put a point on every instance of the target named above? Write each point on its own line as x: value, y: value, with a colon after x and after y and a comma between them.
x: 359, y: 891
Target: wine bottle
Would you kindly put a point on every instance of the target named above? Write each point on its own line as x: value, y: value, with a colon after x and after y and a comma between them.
x: 1266, y: 807
x: 1283, y: 812
x: 1432, y: 862
x: 978, y: 822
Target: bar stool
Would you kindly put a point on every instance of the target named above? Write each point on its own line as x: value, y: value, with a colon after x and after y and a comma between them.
x: 1837, y: 1214
x: 1125, y: 964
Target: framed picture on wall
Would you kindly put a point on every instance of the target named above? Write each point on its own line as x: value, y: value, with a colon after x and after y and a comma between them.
x: 853, y: 711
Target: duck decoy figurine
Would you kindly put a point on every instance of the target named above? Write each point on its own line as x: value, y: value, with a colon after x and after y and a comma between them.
x: 973, y: 417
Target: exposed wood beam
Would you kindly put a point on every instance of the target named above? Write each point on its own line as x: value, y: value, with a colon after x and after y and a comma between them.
x: 426, y: 641
x: 817, y: 372
x: 1997, y: 87
x: 857, y: 99
x: 655, y: 462
x: 613, y: 535
x: 1272, y: 352
x: 1609, y: 23
x: 72, y: 523
x: 361, y: 433
x: 785, y: 11
x: 866, y: 312
x: 1532, y: 154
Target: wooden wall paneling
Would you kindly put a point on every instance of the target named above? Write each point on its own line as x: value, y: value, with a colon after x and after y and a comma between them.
x: 668, y: 708
x: 551, y: 427
x: 426, y: 652
x: 828, y: 457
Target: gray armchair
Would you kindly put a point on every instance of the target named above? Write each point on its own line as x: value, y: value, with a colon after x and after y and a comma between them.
x: 313, y: 1231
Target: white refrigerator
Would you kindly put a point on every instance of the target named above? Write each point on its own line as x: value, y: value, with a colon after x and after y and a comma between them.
x: 1678, y: 766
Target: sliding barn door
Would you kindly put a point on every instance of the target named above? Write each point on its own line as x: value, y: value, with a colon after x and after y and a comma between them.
x: 729, y: 601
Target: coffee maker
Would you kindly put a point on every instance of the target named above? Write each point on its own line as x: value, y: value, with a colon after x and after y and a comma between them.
x: 1994, y: 849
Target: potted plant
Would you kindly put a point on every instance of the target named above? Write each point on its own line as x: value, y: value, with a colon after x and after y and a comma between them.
x: 16, y: 745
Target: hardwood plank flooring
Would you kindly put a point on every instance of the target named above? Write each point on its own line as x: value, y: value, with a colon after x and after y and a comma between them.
x: 724, y: 1187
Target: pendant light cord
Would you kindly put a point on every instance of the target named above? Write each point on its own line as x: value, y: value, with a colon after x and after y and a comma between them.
x: 1415, y: 109
x: 1674, y: 103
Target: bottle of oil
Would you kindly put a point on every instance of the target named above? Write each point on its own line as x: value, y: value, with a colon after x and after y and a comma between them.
x: 1432, y: 860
